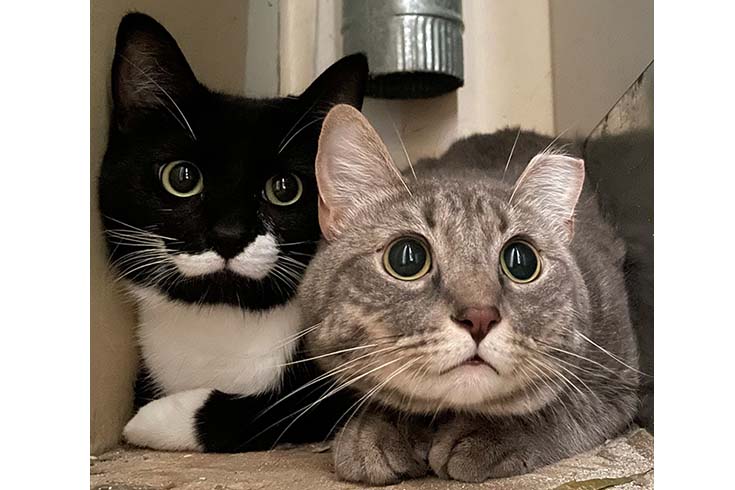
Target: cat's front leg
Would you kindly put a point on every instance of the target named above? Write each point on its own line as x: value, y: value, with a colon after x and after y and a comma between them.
x: 168, y: 423
x: 379, y: 449
x: 473, y: 449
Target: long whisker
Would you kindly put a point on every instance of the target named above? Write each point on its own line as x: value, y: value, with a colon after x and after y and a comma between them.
x: 150, y: 78
x: 571, y: 373
x: 336, y: 370
x: 300, y: 412
x: 288, y: 244
x: 400, y: 177
x: 362, y: 400
x: 559, y: 374
x: 573, y: 354
x: 329, y: 354
x: 512, y: 149
x: 403, y: 147
x: 585, y: 370
x: 550, y: 145
x: 293, y: 261
x: 283, y: 147
x: 610, y: 354
x: 147, y: 232
x: 288, y: 133
x: 544, y: 377
x: 301, y: 253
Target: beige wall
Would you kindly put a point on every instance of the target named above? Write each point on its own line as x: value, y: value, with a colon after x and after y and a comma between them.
x: 507, y: 74
x: 550, y: 65
x: 507, y: 66
x: 213, y: 37
x: 599, y: 48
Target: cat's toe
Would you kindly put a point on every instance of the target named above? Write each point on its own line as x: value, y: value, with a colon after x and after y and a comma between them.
x: 463, y: 460
x: 443, y: 446
x: 376, y: 453
x: 464, y: 467
x: 475, y: 456
x: 378, y: 465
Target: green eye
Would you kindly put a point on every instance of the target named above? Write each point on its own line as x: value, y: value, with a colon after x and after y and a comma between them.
x: 407, y: 259
x: 283, y: 189
x: 181, y: 178
x: 520, y: 261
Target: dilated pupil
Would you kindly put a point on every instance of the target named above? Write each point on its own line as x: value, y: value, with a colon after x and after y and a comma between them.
x: 407, y: 257
x: 285, y: 187
x: 520, y: 261
x: 183, y: 177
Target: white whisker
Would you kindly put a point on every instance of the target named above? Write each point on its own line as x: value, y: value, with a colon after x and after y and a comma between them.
x: 150, y: 78
x: 512, y: 149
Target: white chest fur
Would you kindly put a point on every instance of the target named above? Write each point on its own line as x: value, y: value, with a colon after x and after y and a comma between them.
x: 222, y: 347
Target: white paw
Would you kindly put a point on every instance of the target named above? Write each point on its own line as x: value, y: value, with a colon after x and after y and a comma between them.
x: 168, y: 423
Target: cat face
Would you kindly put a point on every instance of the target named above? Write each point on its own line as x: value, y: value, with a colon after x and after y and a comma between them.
x: 206, y: 197
x: 436, y: 294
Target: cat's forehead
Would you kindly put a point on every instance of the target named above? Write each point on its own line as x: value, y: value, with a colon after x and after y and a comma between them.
x: 249, y: 120
x: 255, y: 134
x: 455, y: 213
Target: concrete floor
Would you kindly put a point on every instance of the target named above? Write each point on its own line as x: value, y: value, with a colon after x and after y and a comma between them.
x: 625, y: 463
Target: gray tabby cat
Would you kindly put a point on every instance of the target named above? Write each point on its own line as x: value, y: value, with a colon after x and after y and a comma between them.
x: 479, y: 307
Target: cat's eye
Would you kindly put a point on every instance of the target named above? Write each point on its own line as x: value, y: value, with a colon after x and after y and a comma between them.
x: 283, y: 189
x: 407, y: 258
x: 520, y: 261
x: 181, y: 178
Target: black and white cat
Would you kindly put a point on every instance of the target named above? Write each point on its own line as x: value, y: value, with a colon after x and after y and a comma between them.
x: 210, y: 208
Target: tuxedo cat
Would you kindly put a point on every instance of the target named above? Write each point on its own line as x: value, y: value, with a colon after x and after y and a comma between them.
x: 209, y: 205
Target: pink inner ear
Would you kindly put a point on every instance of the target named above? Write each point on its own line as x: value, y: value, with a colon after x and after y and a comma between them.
x: 325, y: 220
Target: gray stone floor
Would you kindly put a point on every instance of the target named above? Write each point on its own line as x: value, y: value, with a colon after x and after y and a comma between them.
x: 625, y: 463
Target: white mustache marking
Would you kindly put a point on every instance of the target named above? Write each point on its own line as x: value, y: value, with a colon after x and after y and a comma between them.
x: 254, y: 262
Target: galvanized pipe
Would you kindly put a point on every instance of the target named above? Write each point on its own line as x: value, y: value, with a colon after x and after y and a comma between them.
x: 414, y: 47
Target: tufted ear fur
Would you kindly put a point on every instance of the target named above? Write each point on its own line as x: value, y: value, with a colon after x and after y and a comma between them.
x: 148, y: 70
x: 352, y: 163
x: 552, y: 182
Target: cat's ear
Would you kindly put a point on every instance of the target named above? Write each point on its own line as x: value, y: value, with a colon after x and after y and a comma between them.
x: 552, y: 183
x: 352, y: 163
x: 149, y: 69
x: 342, y: 83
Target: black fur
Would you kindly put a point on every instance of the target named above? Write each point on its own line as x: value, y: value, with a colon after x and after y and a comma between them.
x: 161, y: 113
x: 229, y: 423
x: 236, y: 148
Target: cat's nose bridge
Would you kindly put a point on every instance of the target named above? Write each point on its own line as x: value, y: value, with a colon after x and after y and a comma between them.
x: 471, y: 290
x: 472, y: 280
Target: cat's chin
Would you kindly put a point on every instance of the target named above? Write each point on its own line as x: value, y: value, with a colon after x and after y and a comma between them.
x: 224, y: 288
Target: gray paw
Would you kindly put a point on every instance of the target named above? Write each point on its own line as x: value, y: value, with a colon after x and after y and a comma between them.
x: 372, y: 449
x: 469, y: 452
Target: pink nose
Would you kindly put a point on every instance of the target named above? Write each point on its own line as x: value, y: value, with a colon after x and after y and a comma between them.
x: 478, y: 321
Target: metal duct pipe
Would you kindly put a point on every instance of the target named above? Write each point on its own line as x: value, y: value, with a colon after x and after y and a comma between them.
x: 414, y: 47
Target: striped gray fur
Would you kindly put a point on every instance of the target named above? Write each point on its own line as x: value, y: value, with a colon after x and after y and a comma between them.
x: 564, y: 352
